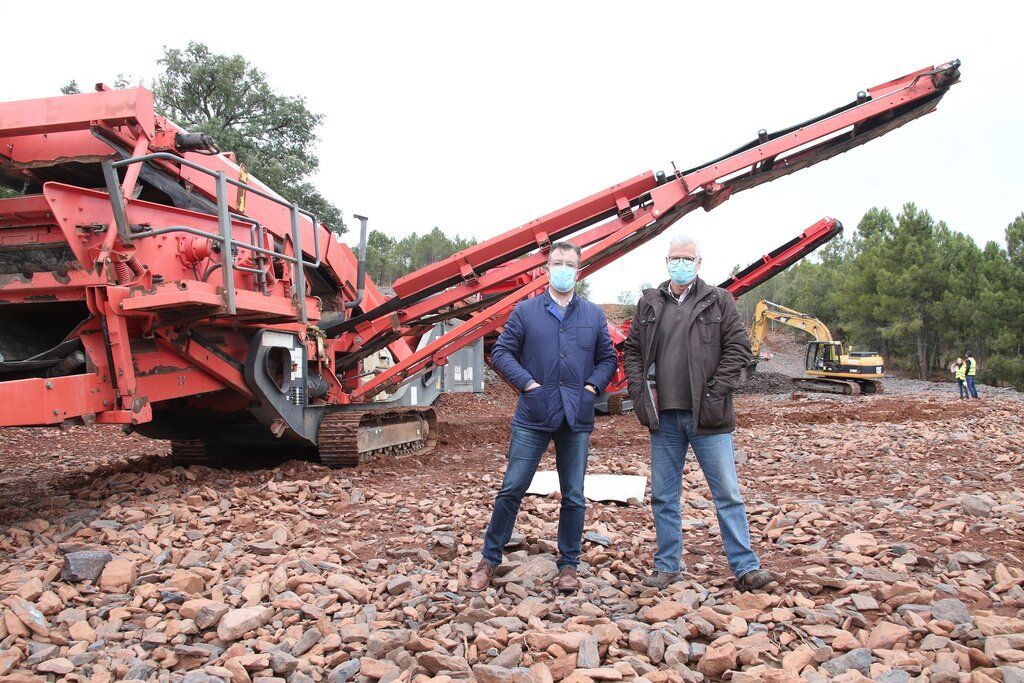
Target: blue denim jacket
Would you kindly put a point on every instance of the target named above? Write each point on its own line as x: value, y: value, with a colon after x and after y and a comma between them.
x: 561, y: 356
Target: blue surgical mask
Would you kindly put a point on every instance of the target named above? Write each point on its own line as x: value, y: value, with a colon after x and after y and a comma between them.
x: 562, y: 278
x: 682, y: 272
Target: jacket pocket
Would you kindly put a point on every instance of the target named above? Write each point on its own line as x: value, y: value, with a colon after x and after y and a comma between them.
x: 585, y: 338
x: 709, y: 325
x: 533, y: 404
x: 640, y: 410
x: 585, y: 414
x: 635, y: 397
x: 646, y: 329
x: 715, y: 411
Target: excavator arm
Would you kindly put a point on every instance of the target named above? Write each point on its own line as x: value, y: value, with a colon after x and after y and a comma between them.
x: 766, y: 310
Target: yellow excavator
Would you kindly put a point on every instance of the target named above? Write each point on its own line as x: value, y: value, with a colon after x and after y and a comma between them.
x: 830, y: 369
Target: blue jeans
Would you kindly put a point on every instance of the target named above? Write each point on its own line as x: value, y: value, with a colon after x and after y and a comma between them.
x: 971, y: 387
x: 964, y: 393
x: 715, y: 455
x: 524, y: 452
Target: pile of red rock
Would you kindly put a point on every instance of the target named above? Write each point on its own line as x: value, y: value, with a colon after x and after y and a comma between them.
x: 897, y: 545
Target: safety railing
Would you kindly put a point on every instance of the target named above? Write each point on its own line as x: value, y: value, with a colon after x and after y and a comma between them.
x: 225, y: 217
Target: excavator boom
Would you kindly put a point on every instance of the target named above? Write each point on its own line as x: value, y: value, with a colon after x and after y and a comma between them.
x: 766, y: 311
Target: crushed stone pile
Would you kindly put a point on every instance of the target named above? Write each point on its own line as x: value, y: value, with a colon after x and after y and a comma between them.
x: 766, y: 383
x: 896, y: 536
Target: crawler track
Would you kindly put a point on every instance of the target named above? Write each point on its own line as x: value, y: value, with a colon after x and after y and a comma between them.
x: 339, y: 443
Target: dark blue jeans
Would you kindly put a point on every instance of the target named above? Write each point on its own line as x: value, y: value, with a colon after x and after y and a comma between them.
x: 715, y: 456
x: 971, y: 387
x: 524, y: 453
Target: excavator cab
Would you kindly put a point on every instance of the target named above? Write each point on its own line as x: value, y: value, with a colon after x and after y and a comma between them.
x: 823, y: 356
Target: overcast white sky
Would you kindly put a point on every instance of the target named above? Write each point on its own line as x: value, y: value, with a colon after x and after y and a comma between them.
x: 478, y: 117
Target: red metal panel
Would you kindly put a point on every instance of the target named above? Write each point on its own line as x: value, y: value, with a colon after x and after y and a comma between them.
x: 37, y: 402
x: 24, y: 211
x: 523, y: 237
x: 191, y: 294
x: 76, y: 112
x: 217, y: 367
x: 770, y: 265
x: 52, y: 148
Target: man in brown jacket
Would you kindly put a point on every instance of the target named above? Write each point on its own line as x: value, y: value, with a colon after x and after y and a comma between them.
x: 686, y: 349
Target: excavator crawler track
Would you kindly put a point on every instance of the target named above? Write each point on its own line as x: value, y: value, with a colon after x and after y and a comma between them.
x: 347, y: 438
x: 868, y: 386
x: 827, y: 386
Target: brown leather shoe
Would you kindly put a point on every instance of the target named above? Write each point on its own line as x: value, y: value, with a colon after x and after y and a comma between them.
x: 754, y: 579
x: 660, y: 580
x: 568, y: 581
x: 481, y: 576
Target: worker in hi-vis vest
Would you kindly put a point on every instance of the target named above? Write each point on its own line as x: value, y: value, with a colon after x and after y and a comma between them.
x: 960, y: 371
x: 972, y: 370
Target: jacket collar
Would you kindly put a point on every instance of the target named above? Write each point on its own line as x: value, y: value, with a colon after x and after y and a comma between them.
x: 700, y: 289
x: 548, y: 299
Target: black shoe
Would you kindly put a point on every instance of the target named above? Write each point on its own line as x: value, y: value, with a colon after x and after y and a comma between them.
x: 661, y: 580
x: 754, y: 579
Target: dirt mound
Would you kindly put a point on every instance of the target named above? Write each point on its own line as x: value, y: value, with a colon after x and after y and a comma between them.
x: 873, y: 409
x: 477, y: 418
x: 766, y: 383
x: 38, y: 464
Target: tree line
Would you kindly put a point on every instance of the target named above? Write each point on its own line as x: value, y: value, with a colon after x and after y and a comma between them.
x: 388, y: 258
x: 916, y: 290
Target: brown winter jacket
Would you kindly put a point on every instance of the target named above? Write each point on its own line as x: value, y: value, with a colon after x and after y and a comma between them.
x: 719, y: 351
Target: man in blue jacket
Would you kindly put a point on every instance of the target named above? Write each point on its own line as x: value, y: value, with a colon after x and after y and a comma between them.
x: 555, y: 349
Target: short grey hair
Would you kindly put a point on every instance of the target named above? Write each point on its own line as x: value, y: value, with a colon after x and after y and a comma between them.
x: 684, y: 241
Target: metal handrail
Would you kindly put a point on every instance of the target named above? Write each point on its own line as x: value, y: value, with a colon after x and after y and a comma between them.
x: 257, y: 232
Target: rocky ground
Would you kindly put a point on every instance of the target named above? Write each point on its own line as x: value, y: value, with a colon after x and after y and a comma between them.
x: 895, y: 525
